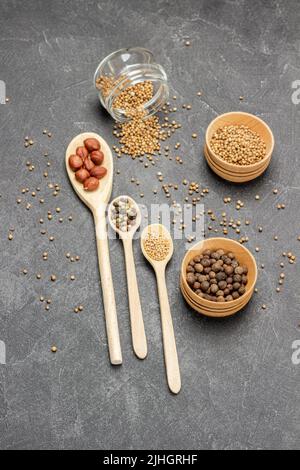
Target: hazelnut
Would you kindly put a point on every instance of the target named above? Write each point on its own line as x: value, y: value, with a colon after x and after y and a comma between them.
x: 88, y: 164
x: 75, y: 162
x: 82, y: 152
x: 91, y: 183
x: 81, y: 175
x: 97, y: 157
x: 92, y: 144
x: 98, y: 172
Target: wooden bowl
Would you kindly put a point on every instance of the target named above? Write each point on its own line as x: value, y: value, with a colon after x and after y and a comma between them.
x: 229, y: 308
x: 216, y: 306
x: 211, y: 313
x: 233, y: 177
x: 230, y: 172
x: 238, y: 171
x: 244, y: 257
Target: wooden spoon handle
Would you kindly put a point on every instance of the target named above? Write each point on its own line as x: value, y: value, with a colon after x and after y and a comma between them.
x: 138, y: 334
x: 109, y: 302
x: 170, y: 351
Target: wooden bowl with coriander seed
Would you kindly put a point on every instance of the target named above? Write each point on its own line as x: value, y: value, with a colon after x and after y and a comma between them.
x: 238, y: 146
x: 233, y: 177
x: 240, y: 256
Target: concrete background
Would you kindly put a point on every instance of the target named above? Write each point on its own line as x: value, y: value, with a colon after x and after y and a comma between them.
x: 240, y: 388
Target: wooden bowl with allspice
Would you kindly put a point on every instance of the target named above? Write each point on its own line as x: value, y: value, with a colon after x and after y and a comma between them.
x: 218, y: 277
x: 238, y: 146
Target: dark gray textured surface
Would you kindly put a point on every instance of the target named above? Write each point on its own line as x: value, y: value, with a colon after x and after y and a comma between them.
x: 240, y: 388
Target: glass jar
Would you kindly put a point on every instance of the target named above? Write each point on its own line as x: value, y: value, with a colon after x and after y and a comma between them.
x: 125, y: 68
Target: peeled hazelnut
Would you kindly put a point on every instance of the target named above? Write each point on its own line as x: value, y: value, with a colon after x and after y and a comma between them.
x: 97, y: 157
x: 82, y: 152
x: 81, y: 175
x: 75, y: 162
x: 88, y: 164
x: 91, y: 184
x: 92, y: 144
x: 98, y: 172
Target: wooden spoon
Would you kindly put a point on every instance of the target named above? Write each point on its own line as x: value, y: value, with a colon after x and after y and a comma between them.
x: 97, y: 201
x: 139, y: 341
x: 169, y: 343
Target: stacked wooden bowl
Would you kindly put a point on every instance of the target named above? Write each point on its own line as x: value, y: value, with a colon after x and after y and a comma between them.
x: 230, y: 171
x: 208, y: 307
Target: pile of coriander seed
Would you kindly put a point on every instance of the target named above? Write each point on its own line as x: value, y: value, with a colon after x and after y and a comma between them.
x: 238, y: 144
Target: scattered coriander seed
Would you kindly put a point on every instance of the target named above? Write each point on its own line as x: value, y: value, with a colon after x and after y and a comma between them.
x: 76, y: 309
x: 80, y: 308
x: 54, y: 349
x: 53, y: 277
x: 257, y: 197
x: 38, y: 276
x: 187, y: 43
x: 264, y: 306
x: 10, y: 236
x: 25, y: 271
x: 72, y: 277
